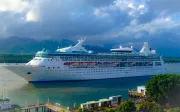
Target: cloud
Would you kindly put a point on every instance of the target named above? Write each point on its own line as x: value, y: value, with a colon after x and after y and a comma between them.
x: 31, y: 16
x: 116, y: 20
x: 13, y: 5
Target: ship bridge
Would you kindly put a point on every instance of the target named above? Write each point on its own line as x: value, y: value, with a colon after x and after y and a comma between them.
x: 123, y: 49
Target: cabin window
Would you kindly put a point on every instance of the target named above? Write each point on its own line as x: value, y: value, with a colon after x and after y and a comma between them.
x: 158, y: 63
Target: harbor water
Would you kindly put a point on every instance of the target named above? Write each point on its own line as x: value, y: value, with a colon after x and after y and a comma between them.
x: 68, y: 93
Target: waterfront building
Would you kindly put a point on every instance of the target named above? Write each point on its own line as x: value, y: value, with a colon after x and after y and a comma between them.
x: 105, y: 102
x: 141, y: 89
x: 116, y: 99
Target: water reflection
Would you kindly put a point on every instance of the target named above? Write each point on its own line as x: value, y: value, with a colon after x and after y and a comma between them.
x: 107, y: 83
x: 67, y: 93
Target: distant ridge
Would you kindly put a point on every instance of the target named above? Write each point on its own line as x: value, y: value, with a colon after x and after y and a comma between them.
x: 16, y: 44
x: 26, y: 45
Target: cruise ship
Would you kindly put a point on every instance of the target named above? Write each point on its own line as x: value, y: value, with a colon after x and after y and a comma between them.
x: 77, y: 63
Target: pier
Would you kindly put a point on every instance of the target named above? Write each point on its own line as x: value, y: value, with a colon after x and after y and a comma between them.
x: 135, y: 94
x: 138, y: 95
x: 47, y: 107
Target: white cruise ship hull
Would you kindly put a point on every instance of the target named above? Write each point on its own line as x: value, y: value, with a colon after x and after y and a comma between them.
x: 43, y: 74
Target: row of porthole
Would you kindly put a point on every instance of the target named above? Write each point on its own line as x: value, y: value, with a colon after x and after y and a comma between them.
x: 96, y: 60
x: 97, y: 70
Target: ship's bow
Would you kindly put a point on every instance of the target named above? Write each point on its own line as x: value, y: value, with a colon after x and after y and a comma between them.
x: 19, y: 69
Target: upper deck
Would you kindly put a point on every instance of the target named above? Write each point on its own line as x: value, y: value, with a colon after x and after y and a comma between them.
x: 100, y: 56
x: 79, y: 51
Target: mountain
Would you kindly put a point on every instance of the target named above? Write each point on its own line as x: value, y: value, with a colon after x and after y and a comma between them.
x: 27, y: 45
x: 169, y: 46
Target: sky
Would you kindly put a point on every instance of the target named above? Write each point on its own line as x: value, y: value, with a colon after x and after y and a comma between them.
x: 108, y: 21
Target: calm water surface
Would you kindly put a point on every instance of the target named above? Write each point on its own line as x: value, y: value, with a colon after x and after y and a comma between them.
x: 66, y: 93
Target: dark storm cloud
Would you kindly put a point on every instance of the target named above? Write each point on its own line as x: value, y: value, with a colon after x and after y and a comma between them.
x: 69, y: 19
x: 95, y: 19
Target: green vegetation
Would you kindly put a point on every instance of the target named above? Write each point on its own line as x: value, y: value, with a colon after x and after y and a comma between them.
x: 79, y: 109
x: 127, y: 106
x: 63, y: 110
x: 17, y: 110
x: 109, y: 110
x: 171, y: 59
x: 87, y: 111
x: 177, y: 109
x: 15, y: 58
x: 149, y: 106
x: 164, y: 89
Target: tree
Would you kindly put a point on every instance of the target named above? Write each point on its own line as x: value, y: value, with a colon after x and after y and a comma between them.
x: 147, y: 106
x: 88, y: 111
x: 63, y: 110
x: 127, y: 106
x: 79, y: 109
x: 17, y: 110
x: 164, y: 89
x: 109, y: 110
x: 177, y: 109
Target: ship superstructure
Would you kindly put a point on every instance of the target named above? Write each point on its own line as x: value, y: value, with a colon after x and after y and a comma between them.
x: 77, y: 63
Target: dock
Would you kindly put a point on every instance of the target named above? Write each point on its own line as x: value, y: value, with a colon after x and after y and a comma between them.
x: 135, y: 94
x: 47, y: 107
x: 139, y: 95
